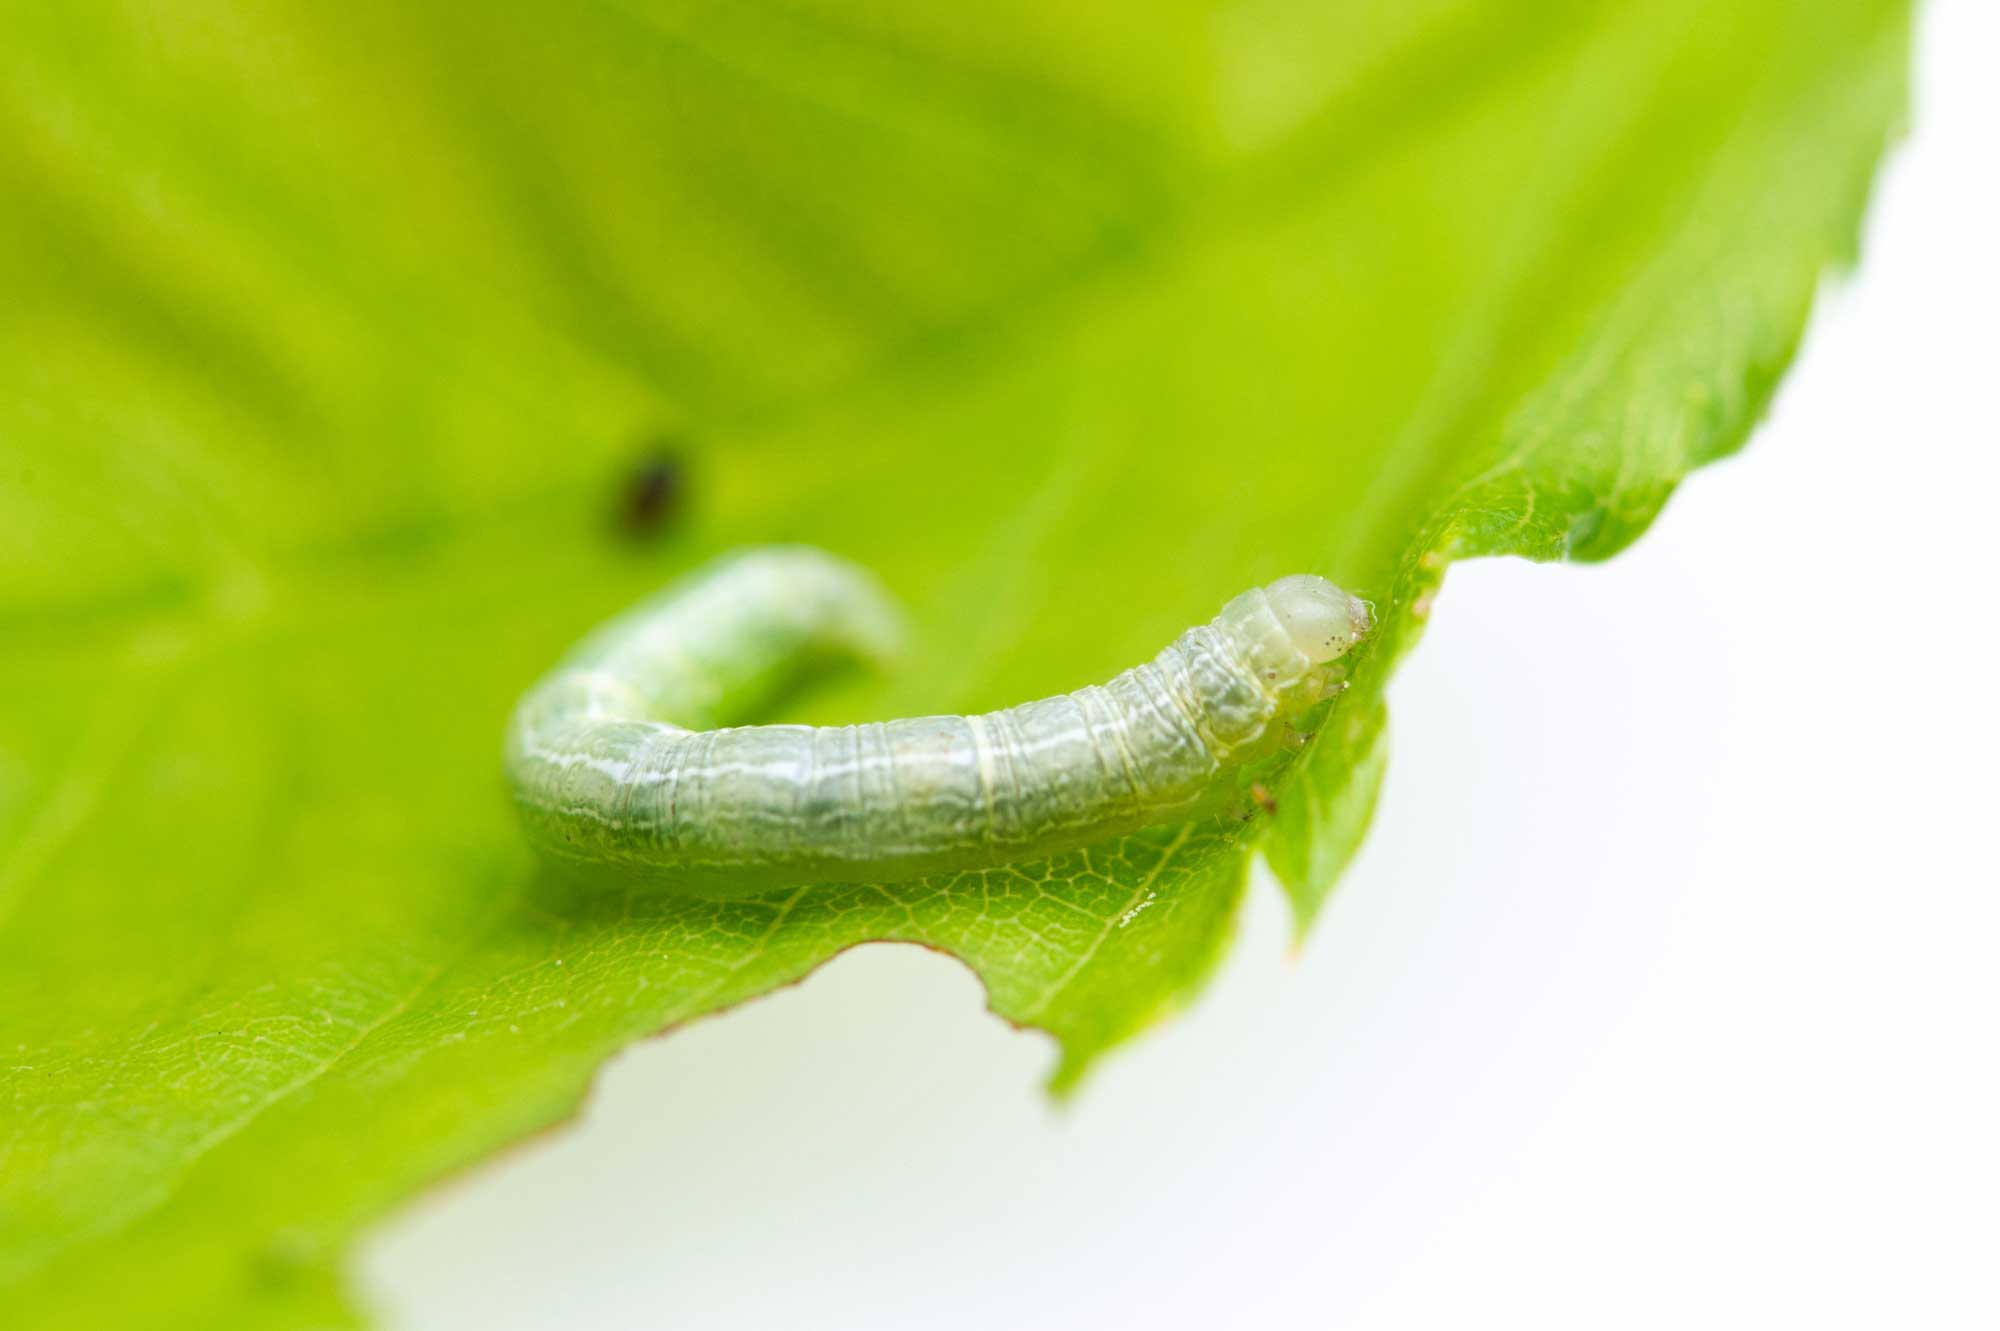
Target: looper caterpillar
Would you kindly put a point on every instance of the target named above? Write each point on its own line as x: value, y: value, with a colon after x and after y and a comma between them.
x: 617, y: 767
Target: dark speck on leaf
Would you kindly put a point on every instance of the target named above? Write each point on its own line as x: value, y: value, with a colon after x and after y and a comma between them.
x: 652, y: 491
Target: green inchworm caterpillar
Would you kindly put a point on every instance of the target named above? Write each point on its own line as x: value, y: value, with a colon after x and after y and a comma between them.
x: 624, y: 762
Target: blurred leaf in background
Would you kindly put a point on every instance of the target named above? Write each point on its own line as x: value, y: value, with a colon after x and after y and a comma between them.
x: 331, y: 338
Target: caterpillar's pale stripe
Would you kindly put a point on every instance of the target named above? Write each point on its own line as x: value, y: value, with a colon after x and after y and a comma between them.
x: 624, y: 759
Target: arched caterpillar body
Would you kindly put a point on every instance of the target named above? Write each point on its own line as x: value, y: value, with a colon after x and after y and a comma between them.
x: 617, y: 770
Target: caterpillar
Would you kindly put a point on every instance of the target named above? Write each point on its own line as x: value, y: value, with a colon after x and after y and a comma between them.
x: 626, y: 760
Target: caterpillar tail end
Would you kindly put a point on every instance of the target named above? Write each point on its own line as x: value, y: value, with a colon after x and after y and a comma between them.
x: 875, y: 630
x: 838, y: 605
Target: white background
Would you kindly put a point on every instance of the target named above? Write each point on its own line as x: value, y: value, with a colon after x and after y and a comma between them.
x: 1663, y: 994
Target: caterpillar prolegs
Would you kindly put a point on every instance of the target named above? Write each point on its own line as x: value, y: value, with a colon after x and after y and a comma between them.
x: 625, y: 760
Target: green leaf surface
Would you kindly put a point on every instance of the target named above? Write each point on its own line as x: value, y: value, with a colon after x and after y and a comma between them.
x: 328, y: 336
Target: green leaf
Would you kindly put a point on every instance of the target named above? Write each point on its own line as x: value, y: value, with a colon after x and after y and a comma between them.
x: 328, y: 336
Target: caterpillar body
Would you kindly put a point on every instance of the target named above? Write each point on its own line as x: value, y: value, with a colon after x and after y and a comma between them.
x: 623, y: 760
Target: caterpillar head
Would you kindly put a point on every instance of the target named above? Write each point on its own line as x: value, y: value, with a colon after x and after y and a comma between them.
x: 1324, y: 622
